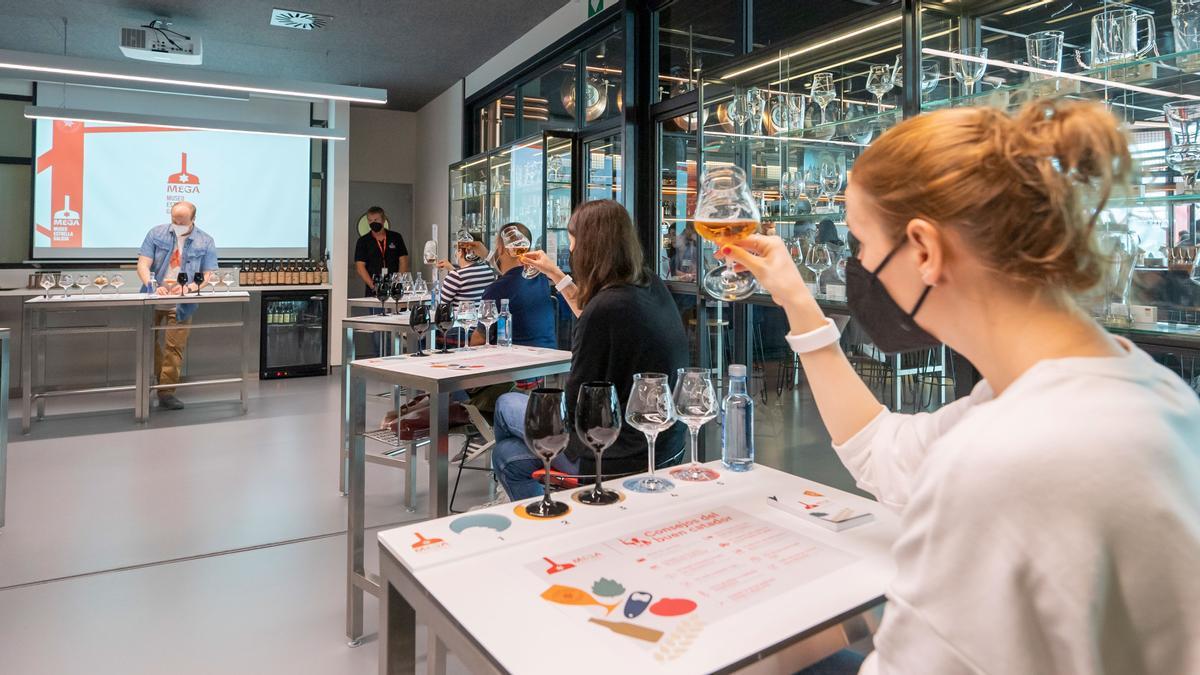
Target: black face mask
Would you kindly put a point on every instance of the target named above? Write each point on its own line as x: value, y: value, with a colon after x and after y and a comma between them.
x: 889, y: 327
x: 375, y: 227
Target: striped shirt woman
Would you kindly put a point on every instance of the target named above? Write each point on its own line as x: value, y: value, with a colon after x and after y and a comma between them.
x: 467, y: 283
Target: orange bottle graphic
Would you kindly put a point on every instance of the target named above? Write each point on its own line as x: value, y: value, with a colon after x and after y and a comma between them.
x: 182, y: 185
x: 66, y: 224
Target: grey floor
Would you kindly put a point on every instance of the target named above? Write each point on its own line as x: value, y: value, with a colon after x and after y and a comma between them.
x: 212, y: 542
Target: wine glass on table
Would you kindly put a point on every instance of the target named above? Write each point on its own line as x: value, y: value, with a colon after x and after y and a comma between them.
x: 66, y: 281
x: 117, y: 282
x: 488, y: 316
x: 48, y: 281
x: 726, y: 213
x: 651, y: 411
x: 598, y: 423
x: 818, y: 259
x: 517, y: 245
x: 383, y: 289
x: 82, y: 281
x: 418, y: 321
x: 182, y: 280
x: 397, y: 291
x: 227, y: 280
x: 198, y: 279
x: 696, y: 405
x: 214, y: 280
x: 443, y: 317
x: 100, y: 282
x: 547, y: 434
x: 465, y: 316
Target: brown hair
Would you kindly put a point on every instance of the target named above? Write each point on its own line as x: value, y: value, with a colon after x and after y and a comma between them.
x: 1024, y: 191
x: 606, y: 252
x: 377, y: 209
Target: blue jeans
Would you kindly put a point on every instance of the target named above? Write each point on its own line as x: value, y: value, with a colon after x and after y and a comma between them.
x: 512, y: 460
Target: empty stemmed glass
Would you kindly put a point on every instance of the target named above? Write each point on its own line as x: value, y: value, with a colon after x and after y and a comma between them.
x: 214, y: 278
x: 418, y: 321
x: 517, y: 245
x: 443, y: 318
x: 227, y: 280
x: 81, y: 282
x: 931, y: 74
x: 547, y: 434
x: 488, y: 316
x: 464, y: 317
x: 969, y: 70
x: 651, y: 411
x: 598, y: 423
x: 818, y: 259
x: 880, y: 80
x: 831, y: 179
x: 117, y: 282
x: 47, y: 283
x: 823, y: 92
x: 725, y: 214
x: 696, y: 405
x: 66, y: 281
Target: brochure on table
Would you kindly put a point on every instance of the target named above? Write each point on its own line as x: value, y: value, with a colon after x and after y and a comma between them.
x: 656, y: 581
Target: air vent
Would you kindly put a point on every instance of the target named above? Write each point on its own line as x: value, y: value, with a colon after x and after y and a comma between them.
x: 290, y: 18
x: 133, y: 37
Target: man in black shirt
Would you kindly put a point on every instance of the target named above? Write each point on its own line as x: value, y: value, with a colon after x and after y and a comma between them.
x: 379, y: 250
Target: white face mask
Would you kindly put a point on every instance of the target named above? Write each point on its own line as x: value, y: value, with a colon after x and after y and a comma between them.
x: 180, y: 230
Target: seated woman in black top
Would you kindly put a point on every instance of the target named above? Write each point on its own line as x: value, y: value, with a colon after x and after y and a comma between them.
x: 627, y: 324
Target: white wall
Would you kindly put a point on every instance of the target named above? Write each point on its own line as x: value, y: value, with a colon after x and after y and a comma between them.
x: 553, y: 27
x: 383, y: 147
x: 439, y: 145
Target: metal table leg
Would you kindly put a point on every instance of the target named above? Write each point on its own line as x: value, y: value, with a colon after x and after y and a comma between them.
x: 4, y: 367
x: 397, y: 628
x: 40, y: 358
x: 139, y: 371
x: 356, y: 510
x: 439, y: 454
x: 245, y: 357
x: 347, y: 357
x: 149, y: 342
x: 26, y: 370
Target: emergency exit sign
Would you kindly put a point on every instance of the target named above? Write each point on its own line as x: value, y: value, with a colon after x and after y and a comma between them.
x: 595, y: 7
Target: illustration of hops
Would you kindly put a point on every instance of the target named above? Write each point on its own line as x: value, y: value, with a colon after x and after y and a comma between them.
x: 679, y: 640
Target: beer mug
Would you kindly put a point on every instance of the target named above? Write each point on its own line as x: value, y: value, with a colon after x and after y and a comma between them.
x: 1044, y: 50
x: 1185, y: 18
x: 1115, y: 37
x: 1183, y: 121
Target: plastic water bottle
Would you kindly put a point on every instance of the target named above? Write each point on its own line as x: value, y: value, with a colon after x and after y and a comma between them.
x: 737, y: 442
x: 504, y: 326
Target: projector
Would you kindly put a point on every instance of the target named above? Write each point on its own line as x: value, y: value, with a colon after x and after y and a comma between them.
x: 157, y: 42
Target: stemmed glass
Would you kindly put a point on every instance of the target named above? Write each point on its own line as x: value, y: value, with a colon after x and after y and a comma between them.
x: 66, y: 281
x: 651, y: 411
x: 818, y: 259
x: 488, y: 316
x: 198, y: 278
x: 81, y: 282
x: 726, y: 213
x: 117, y: 282
x: 383, y: 289
x: 418, y: 321
x: 100, y: 282
x: 182, y: 280
x: 227, y: 280
x: 443, y: 318
x: 547, y: 434
x: 791, y: 188
x: 465, y: 317
x: 823, y: 92
x: 397, y: 294
x: 214, y: 279
x: 696, y: 404
x: 517, y: 245
x: 796, y: 105
x: 969, y: 71
x: 755, y: 103
x: 47, y: 283
x: 931, y: 74
x: 880, y: 81
x: 831, y: 178
x: 736, y: 111
x: 598, y: 423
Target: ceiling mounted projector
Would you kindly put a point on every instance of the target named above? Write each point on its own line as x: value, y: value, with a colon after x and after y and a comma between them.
x: 156, y: 41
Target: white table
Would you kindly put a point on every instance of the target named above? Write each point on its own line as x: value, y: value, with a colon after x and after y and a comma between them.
x: 479, y: 583
x: 438, y: 375
x: 373, y: 302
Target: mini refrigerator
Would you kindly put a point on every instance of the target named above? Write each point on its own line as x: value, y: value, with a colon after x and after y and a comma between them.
x: 294, y: 334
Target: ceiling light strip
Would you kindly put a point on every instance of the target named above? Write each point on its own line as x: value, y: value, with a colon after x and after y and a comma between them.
x: 1053, y: 73
x: 45, y: 63
x: 815, y: 46
x: 34, y: 112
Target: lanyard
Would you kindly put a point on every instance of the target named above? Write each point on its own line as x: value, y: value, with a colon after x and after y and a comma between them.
x: 382, y: 255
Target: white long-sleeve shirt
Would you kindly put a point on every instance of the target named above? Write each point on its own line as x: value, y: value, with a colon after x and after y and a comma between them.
x: 1053, y: 529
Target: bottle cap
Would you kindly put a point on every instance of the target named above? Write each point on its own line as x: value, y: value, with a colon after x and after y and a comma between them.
x: 737, y: 370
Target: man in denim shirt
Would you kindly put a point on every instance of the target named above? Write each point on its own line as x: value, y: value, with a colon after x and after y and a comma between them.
x: 171, y: 249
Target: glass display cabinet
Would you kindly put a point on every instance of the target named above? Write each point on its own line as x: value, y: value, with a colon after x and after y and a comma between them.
x: 604, y: 169
x: 559, y: 194
x: 469, y: 196
x: 1143, y: 62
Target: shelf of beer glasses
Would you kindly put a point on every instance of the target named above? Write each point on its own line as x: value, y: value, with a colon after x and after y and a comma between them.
x: 1136, y: 88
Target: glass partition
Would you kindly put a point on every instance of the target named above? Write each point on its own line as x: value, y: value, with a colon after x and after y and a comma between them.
x: 604, y: 168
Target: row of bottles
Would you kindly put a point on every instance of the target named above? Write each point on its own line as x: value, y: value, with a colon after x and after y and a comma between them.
x: 284, y: 272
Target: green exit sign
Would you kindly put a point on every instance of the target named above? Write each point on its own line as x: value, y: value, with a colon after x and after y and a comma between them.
x: 595, y: 7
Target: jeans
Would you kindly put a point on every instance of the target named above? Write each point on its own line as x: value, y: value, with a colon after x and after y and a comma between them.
x: 513, y: 461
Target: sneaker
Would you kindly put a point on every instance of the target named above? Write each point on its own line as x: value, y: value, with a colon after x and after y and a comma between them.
x: 170, y: 402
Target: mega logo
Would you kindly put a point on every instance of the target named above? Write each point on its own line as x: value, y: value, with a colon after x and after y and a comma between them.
x: 424, y: 543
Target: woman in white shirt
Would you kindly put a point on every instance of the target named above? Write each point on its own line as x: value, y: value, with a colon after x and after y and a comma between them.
x: 1050, y: 521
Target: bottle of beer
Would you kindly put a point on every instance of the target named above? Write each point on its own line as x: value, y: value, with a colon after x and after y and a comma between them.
x: 310, y: 275
x: 242, y: 273
x: 325, y: 268
x: 294, y: 273
x: 260, y: 272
